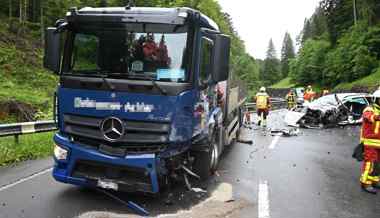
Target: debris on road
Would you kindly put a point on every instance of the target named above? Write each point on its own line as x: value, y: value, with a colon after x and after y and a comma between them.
x: 330, y: 111
x: 286, y: 132
x: 252, y: 152
x: 249, y: 142
x: 229, y: 201
x: 131, y: 205
x: 169, y: 200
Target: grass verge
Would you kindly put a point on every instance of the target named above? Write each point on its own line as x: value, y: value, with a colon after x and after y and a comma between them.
x: 30, y: 147
x: 284, y: 83
x: 372, y: 80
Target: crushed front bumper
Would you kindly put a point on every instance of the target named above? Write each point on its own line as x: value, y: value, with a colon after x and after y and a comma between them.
x: 86, y: 167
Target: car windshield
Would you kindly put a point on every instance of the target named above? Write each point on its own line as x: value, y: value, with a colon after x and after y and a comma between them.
x: 299, y: 92
x: 140, y: 54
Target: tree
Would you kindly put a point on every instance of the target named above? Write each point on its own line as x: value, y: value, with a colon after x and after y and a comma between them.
x: 287, y: 53
x: 271, y: 72
x: 306, y: 32
x: 309, y: 66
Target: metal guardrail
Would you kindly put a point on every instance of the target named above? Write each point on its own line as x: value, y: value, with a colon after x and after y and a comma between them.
x: 276, y: 103
x: 16, y: 129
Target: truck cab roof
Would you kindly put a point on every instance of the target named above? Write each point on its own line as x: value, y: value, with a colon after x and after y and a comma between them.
x: 176, y: 16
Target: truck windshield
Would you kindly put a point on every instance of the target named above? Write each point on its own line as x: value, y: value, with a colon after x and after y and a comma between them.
x: 119, y: 53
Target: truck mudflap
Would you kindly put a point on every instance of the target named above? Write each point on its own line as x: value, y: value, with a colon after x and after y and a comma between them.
x: 89, y: 167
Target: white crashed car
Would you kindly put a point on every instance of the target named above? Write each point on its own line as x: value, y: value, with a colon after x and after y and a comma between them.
x: 330, y: 110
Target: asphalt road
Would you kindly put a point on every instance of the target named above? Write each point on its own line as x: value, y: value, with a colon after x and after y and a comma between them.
x: 309, y: 175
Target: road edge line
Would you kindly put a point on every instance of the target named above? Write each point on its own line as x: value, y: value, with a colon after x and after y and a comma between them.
x: 24, y: 179
x: 263, y: 205
x: 274, y: 142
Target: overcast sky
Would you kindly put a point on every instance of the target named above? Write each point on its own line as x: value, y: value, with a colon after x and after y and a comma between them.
x: 257, y: 21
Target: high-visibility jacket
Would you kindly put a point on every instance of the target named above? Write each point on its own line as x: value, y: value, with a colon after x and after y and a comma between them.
x: 309, y: 95
x: 262, y: 100
x: 370, y: 132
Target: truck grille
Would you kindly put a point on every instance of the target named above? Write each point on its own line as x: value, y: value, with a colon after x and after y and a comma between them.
x: 139, y: 136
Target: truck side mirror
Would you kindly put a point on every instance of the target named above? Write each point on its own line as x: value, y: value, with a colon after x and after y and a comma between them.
x: 52, y: 55
x: 221, y: 58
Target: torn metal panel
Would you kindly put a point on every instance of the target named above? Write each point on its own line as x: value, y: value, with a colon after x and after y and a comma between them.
x: 292, y: 118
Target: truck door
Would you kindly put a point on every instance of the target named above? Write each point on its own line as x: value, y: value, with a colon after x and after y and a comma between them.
x: 206, y: 88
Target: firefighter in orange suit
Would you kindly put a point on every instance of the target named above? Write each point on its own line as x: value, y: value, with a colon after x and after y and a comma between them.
x: 263, y: 106
x: 309, y: 94
x: 370, y: 137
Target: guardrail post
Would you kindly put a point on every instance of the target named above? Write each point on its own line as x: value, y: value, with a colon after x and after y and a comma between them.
x: 17, y: 140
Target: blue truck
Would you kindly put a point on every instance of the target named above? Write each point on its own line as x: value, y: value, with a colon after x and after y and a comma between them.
x: 144, y: 96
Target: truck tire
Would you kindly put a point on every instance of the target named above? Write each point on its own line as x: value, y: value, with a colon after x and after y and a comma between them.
x: 206, y: 161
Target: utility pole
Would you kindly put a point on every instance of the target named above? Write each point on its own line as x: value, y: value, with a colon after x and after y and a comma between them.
x: 355, y: 12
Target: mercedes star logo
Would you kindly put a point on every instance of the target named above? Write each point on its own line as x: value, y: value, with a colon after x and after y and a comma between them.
x: 112, y: 129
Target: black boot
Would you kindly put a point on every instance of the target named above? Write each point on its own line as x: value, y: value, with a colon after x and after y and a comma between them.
x: 376, y: 185
x: 369, y: 189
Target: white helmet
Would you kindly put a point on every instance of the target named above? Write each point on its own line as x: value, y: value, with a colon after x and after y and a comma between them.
x: 262, y: 89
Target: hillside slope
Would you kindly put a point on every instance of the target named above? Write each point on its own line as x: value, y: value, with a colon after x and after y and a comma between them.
x: 26, y: 89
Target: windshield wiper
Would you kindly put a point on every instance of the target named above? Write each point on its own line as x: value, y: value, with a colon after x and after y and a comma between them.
x: 101, y: 73
x: 154, y: 82
x: 105, y: 80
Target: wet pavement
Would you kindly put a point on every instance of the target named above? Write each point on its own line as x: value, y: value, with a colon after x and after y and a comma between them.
x: 309, y: 175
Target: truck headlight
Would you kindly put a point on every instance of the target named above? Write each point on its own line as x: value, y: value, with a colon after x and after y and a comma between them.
x: 60, y: 153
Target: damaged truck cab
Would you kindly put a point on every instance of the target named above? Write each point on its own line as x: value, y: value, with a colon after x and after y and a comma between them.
x: 144, y: 96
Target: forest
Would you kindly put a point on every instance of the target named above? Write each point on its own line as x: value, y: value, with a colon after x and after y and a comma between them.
x: 340, y: 45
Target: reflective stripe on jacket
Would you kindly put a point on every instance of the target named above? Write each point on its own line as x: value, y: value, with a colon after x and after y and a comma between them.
x: 370, y: 132
x: 291, y: 98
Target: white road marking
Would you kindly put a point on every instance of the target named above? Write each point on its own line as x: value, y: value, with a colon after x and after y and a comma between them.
x: 263, y: 207
x: 2, y: 188
x: 274, y: 142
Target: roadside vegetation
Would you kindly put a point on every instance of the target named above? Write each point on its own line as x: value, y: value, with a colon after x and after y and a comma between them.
x: 337, y: 50
x: 284, y: 83
x: 24, y: 84
x: 371, y: 81
x: 29, y: 147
